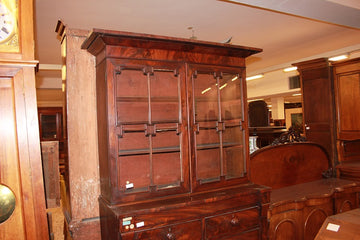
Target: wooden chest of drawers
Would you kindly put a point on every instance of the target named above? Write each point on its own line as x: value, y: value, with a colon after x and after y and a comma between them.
x: 235, y: 213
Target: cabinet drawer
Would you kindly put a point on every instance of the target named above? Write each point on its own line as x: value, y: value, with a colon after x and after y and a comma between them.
x: 251, y: 235
x: 232, y: 223
x: 182, y: 231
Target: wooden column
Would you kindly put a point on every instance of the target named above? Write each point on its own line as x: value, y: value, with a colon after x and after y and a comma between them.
x: 82, y: 182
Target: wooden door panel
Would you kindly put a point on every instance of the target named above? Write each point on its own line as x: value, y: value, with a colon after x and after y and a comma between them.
x: 20, y: 158
x: 13, y: 228
x: 348, y: 90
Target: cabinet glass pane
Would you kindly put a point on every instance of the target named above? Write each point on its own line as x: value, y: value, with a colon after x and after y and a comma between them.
x: 166, y: 170
x: 149, y: 129
x: 208, y: 165
x: 132, y: 96
x: 230, y: 94
x: 134, y: 178
x: 164, y: 96
x: 218, y: 129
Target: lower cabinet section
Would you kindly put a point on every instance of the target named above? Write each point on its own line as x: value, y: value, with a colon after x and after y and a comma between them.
x: 242, y: 224
x: 235, y: 223
x: 191, y: 230
x: 230, y: 214
x: 300, y: 210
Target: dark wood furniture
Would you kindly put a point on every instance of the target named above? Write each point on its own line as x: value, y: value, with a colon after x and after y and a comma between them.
x: 332, y: 111
x: 266, y: 135
x: 50, y: 123
x: 50, y: 163
x: 347, y: 92
x: 258, y: 114
x: 80, y: 187
x: 20, y: 156
x: 51, y: 129
x: 301, y: 198
x: 173, y: 139
x: 318, y: 101
x: 342, y: 226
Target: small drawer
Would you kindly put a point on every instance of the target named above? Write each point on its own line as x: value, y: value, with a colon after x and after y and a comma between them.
x: 251, y: 235
x: 184, y: 231
x: 232, y: 223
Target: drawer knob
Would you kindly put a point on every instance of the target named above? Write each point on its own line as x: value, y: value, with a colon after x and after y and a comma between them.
x: 235, y: 221
x: 170, y: 235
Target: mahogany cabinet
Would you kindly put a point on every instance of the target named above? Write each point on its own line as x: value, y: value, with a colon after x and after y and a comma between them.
x: 298, y: 212
x: 347, y: 92
x: 318, y: 102
x: 173, y: 139
x: 331, y: 107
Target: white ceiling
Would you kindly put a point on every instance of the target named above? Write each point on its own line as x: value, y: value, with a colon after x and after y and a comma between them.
x: 308, y: 28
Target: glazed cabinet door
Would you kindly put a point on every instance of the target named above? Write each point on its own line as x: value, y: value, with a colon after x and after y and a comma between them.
x: 218, y: 126
x: 151, y: 129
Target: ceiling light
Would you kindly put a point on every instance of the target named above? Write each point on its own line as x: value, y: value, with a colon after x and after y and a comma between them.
x: 289, y: 69
x: 255, y: 77
x: 223, y: 86
x: 253, y: 100
x: 338, y: 58
x: 234, y: 78
x: 296, y: 94
x: 206, y: 90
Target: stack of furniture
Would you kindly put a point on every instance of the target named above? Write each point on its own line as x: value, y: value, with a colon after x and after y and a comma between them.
x: 173, y: 139
x: 301, y: 199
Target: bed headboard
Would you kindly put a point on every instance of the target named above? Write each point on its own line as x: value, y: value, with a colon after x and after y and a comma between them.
x: 288, y: 164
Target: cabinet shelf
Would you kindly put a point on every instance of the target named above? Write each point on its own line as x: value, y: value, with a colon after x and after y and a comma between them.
x: 146, y: 99
x: 146, y: 151
x: 217, y: 145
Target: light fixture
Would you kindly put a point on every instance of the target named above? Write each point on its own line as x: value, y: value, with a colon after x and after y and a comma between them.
x: 206, y: 90
x: 290, y: 69
x: 258, y: 99
x: 338, y: 58
x: 296, y: 94
x: 223, y: 86
x: 234, y: 78
x: 255, y: 77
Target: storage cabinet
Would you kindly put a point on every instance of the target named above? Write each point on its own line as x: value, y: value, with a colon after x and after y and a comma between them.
x: 51, y: 128
x: 172, y: 133
x: 347, y: 92
x: 298, y: 212
x: 318, y: 104
x: 332, y: 110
